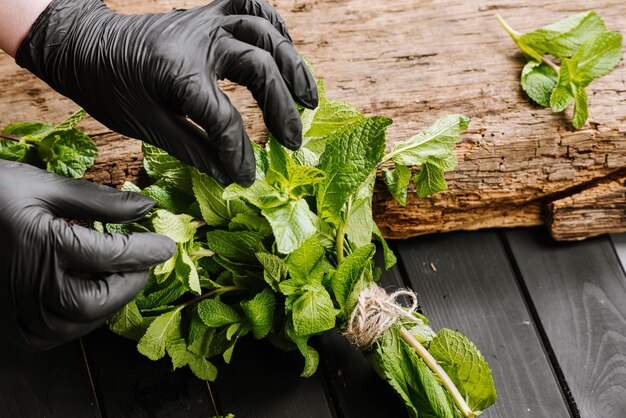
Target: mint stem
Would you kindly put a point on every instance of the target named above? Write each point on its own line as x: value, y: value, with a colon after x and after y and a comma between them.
x: 431, y: 362
x: 549, y: 62
x: 218, y: 291
x: 10, y: 137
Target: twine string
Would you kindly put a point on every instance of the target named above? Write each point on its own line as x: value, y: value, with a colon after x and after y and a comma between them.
x: 376, y: 311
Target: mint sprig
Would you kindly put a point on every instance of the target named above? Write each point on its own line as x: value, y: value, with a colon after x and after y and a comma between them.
x: 60, y: 149
x: 564, y: 58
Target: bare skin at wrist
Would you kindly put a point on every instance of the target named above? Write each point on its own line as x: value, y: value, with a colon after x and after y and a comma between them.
x: 16, y: 19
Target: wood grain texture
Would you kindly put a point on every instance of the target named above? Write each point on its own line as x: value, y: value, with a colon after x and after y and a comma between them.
x: 596, y: 210
x: 131, y: 386
x: 356, y: 389
x: 465, y: 282
x: 579, y: 293
x: 416, y: 61
x: 264, y: 382
x: 52, y: 383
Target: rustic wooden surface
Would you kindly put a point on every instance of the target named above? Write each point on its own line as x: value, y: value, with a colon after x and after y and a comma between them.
x: 416, y: 61
x: 549, y: 318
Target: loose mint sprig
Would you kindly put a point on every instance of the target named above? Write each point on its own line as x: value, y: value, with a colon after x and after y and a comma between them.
x: 564, y: 58
x: 60, y: 149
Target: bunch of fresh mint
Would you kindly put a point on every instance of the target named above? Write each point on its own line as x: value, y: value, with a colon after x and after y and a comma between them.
x: 586, y: 51
x: 287, y: 258
x: 60, y: 149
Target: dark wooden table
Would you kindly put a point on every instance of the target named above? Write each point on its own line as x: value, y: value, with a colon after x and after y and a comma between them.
x: 549, y: 317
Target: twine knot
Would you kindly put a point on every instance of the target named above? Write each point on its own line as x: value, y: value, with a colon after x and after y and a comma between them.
x: 375, y: 312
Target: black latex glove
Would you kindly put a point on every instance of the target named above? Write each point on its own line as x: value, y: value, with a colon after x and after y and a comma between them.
x: 60, y: 281
x: 141, y: 75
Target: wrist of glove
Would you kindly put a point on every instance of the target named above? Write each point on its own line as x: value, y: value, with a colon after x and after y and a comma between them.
x: 145, y: 75
x: 60, y: 281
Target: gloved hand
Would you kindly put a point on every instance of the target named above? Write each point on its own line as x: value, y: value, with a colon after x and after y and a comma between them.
x: 141, y: 75
x: 46, y: 297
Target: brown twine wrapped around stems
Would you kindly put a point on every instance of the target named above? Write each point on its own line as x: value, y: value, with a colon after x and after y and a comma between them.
x: 376, y: 311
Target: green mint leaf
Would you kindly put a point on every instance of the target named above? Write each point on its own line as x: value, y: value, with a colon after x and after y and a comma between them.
x: 261, y: 194
x: 163, y: 270
x: 397, y: 181
x: 216, y: 210
x: 306, y: 264
x: 259, y: 312
x: 311, y: 356
x: 538, y: 81
x: 251, y: 223
x: 71, y: 122
x: 291, y: 224
x: 166, y: 169
x: 28, y: 129
x: 128, y: 322
x: 201, y: 367
x: 313, y: 312
x: 155, y: 293
x: 215, y: 313
x: 275, y: 269
x: 581, y: 107
x: 563, y: 94
x: 180, y: 228
x: 302, y: 180
x: 152, y: 344
x: 438, y: 140
x: 331, y: 116
x: 14, y: 151
x: 167, y: 198
x: 71, y: 154
x: 429, y: 180
x: 349, y: 272
x: 290, y: 287
x: 239, y: 246
x: 599, y: 55
x: 345, y: 173
x: 232, y: 330
x: 176, y: 348
x: 186, y: 271
x: 388, y: 255
x: 466, y: 367
x: 279, y: 161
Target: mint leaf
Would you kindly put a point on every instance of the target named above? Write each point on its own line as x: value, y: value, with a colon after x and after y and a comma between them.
x: 180, y: 228
x: 306, y: 264
x: 215, y: 313
x: 128, y: 322
x: 466, y: 367
x: 166, y: 169
x: 240, y: 246
x: 311, y: 356
x: 598, y: 55
x: 71, y: 154
x: 348, y: 272
x: 28, y: 129
x: 216, y: 211
x: 152, y: 344
x: 331, y: 116
x: 291, y: 223
x: 186, y: 271
x: 344, y: 173
x: 429, y: 180
x: 274, y: 269
x: 259, y: 312
x: 201, y: 367
x: 313, y: 312
x: 397, y: 181
x: 251, y: 223
x: 438, y: 140
x: 261, y: 194
x: 167, y: 198
x: 538, y: 81
x: 388, y: 255
x: 581, y: 105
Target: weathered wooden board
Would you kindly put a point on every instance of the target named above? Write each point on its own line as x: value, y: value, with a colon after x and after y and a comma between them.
x: 263, y: 382
x: 52, y: 383
x: 579, y: 293
x: 416, y: 61
x: 465, y: 282
x: 131, y: 386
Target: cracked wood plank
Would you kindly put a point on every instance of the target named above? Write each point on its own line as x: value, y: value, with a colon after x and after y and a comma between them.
x: 416, y: 61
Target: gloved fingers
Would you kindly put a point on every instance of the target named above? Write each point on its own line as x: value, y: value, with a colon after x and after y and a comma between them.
x: 80, y: 199
x: 256, y: 69
x: 192, y: 145
x: 260, y: 8
x: 259, y: 32
x: 60, y: 329
x: 88, y: 301
x: 212, y: 110
x: 85, y: 250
